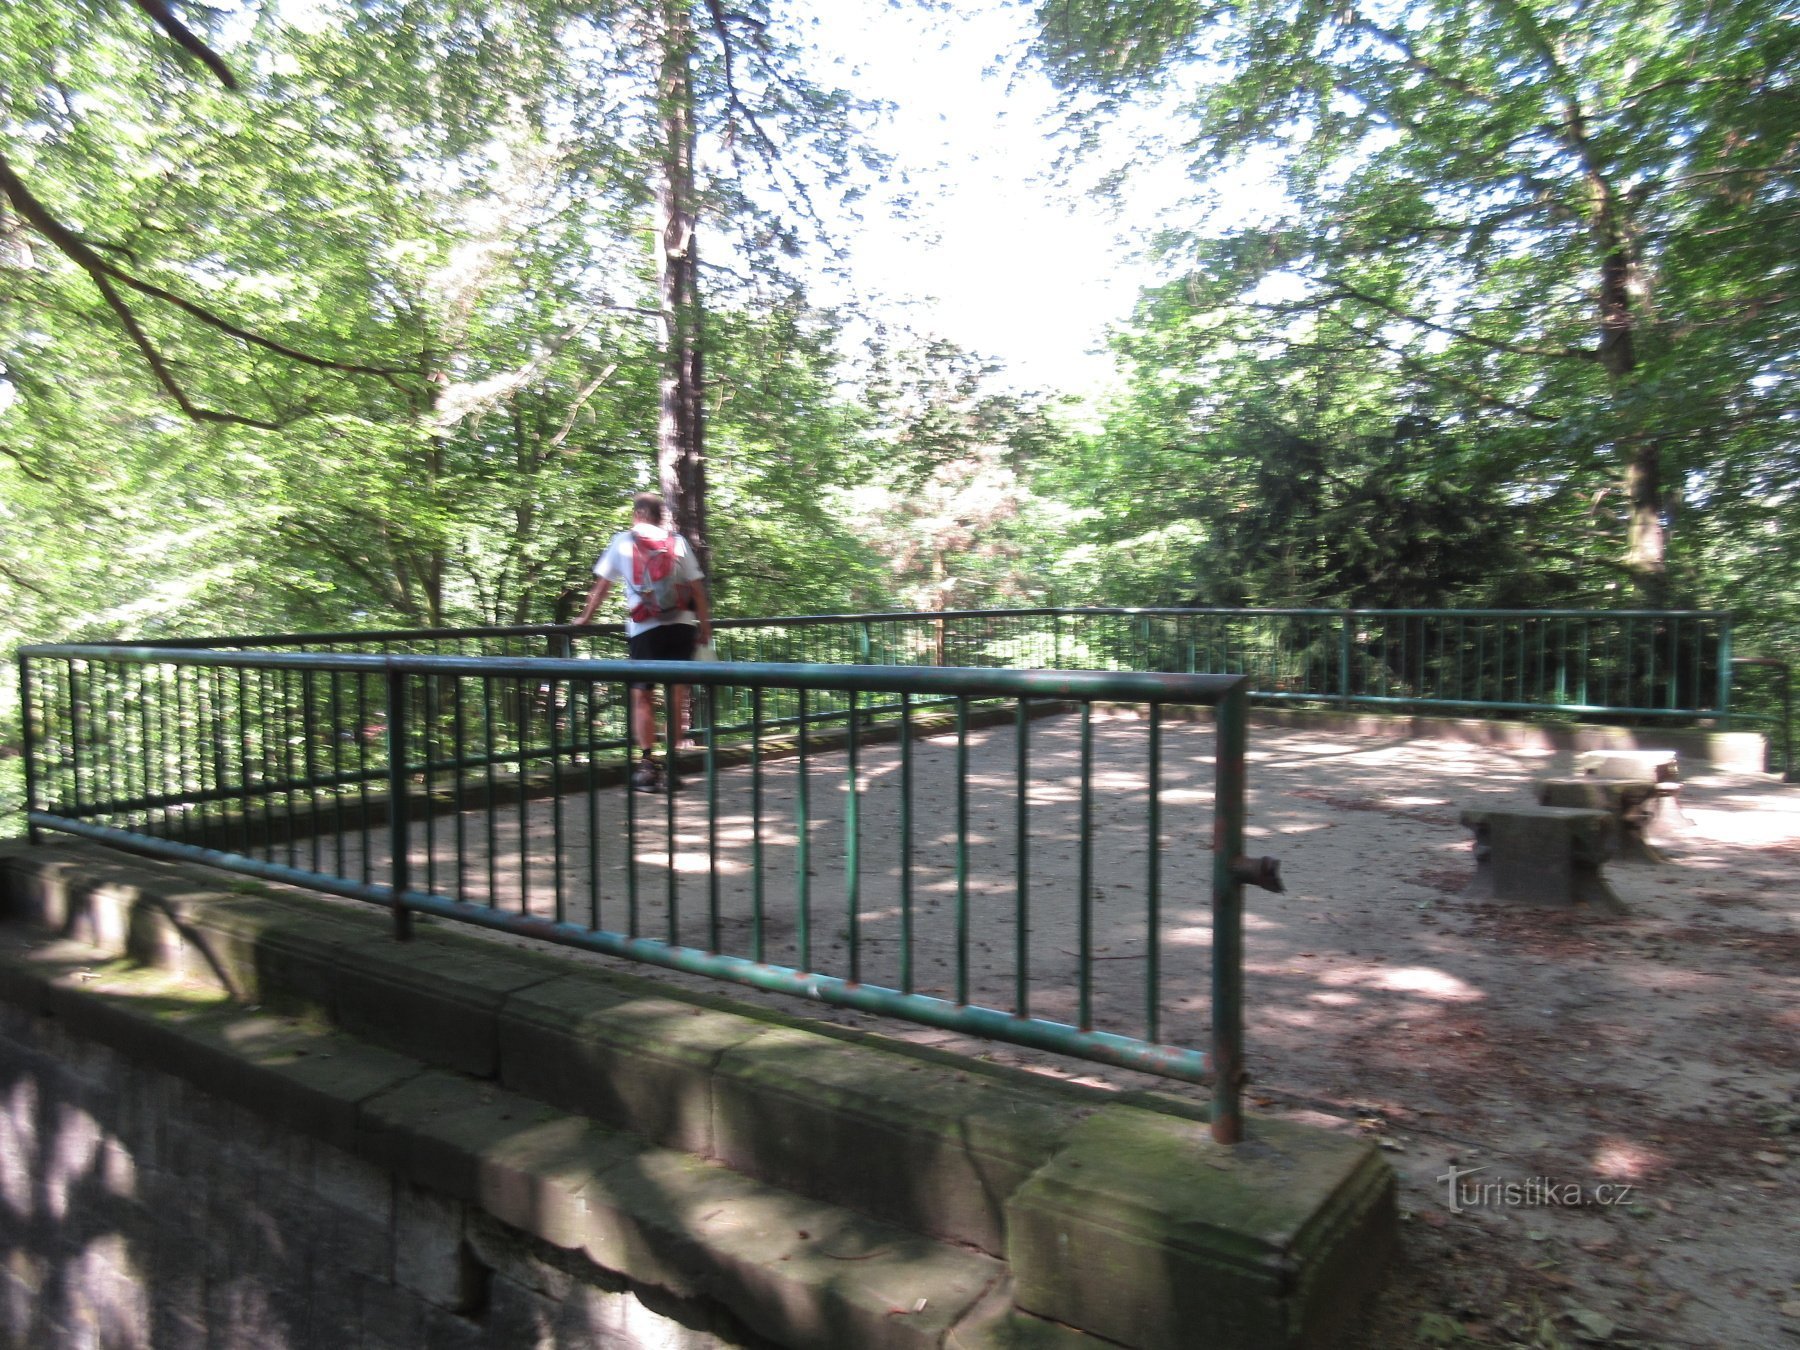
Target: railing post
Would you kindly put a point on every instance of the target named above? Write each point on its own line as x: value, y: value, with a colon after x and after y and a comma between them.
x: 27, y: 721
x: 398, y: 838
x: 1725, y: 674
x: 1232, y: 715
x: 1345, y: 619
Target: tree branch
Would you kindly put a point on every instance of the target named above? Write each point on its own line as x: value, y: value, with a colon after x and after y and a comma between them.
x: 163, y: 18
x: 104, y: 273
x: 34, y: 474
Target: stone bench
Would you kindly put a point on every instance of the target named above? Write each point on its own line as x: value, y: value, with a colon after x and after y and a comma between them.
x: 1659, y: 766
x: 1659, y: 816
x: 1633, y: 805
x: 1543, y: 855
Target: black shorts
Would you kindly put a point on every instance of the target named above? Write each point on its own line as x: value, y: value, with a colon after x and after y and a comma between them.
x: 665, y: 642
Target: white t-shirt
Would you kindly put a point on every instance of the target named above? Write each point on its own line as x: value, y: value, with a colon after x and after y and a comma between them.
x: 615, y: 566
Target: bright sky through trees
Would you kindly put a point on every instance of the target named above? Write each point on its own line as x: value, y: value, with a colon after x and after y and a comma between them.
x: 1006, y: 261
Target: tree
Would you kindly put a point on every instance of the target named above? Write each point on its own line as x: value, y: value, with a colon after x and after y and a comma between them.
x: 82, y: 195
x: 1556, y: 220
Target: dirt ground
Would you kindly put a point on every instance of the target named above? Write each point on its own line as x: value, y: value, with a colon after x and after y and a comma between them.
x: 1594, y: 1118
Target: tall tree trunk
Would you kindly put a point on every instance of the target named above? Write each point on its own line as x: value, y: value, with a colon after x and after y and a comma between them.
x: 1646, y: 539
x: 681, y: 446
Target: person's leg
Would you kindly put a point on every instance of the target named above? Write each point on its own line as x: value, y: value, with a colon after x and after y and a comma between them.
x: 642, y: 712
x: 682, y: 717
x: 643, y: 718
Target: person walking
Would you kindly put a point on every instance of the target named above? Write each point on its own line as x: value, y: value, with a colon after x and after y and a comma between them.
x: 667, y: 614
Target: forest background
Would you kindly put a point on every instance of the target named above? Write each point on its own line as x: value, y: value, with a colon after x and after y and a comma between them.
x: 361, y: 313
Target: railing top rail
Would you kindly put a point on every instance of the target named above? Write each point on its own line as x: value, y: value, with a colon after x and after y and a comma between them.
x: 359, y: 635
x: 895, y: 616
x: 1082, y: 685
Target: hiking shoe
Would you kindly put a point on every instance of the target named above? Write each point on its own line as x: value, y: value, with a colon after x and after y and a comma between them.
x: 647, y: 777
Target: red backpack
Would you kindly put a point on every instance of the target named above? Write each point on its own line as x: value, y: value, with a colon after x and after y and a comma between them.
x: 653, y: 578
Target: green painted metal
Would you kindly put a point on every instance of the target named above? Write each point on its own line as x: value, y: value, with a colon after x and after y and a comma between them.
x: 758, y: 900
x: 853, y: 845
x: 1022, y: 861
x: 712, y: 819
x: 399, y: 840
x: 671, y: 889
x: 906, y: 845
x: 962, y: 851
x: 201, y: 751
x: 1232, y: 717
x: 1084, y: 882
x: 803, y: 845
x: 1153, y: 881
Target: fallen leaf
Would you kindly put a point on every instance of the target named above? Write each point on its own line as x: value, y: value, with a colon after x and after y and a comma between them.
x: 1594, y: 1326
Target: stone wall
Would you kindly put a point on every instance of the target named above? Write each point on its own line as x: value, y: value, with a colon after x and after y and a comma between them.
x: 138, y: 1210
x: 256, y: 1119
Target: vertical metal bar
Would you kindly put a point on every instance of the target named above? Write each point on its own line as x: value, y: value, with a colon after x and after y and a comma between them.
x: 290, y: 766
x: 335, y: 711
x: 1543, y: 671
x: 906, y: 844
x: 1347, y: 619
x: 1723, y: 696
x: 1582, y: 693
x: 258, y: 722
x: 362, y: 775
x: 459, y: 756
x: 310, y: 753
x: 671, y: 878
x: 398, y: 842
x: 29, y: 731
x: 1022, y: 858
x: 962, y: 849
x: 109, y: 758
x: 1228, y: 919
x: 491, y: 798
x: 757, y: 895
x: 1153, y: 883
x: 631, y: 869
x: 428, y: 755
x: 712, y: 818
x: 75, y: 722
x: 853, y: 845
x: 141, y: 786
x: 522, y: 739
x: 593, y: 808
x: 803, y: 847
x: 231, y: 841
x: 558, y: 836
x: 1084, y: 875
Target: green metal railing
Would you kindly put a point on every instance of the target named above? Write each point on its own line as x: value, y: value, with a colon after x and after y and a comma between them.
x: 491, y: 790
x: 1663, y: 667
x: 1658, y: 665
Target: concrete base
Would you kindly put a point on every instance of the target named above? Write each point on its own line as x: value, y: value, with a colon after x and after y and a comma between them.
x: 1145, y: 1232
x: 829, y: 1189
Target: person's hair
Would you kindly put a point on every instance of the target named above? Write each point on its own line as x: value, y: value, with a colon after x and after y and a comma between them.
x: 647, y: 506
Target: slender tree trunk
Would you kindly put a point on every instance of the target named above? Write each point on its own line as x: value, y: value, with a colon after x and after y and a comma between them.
x: 1646, y: 539
x: 681, y: 445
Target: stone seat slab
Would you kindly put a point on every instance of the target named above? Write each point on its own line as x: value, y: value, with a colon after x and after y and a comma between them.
x: 1543, y: 855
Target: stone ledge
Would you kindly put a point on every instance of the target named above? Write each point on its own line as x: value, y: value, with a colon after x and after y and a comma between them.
x: 806, y: 1274
x: 888, y: 1138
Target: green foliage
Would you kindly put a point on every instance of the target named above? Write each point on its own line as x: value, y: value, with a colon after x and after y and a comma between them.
x: 1552, y: 236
